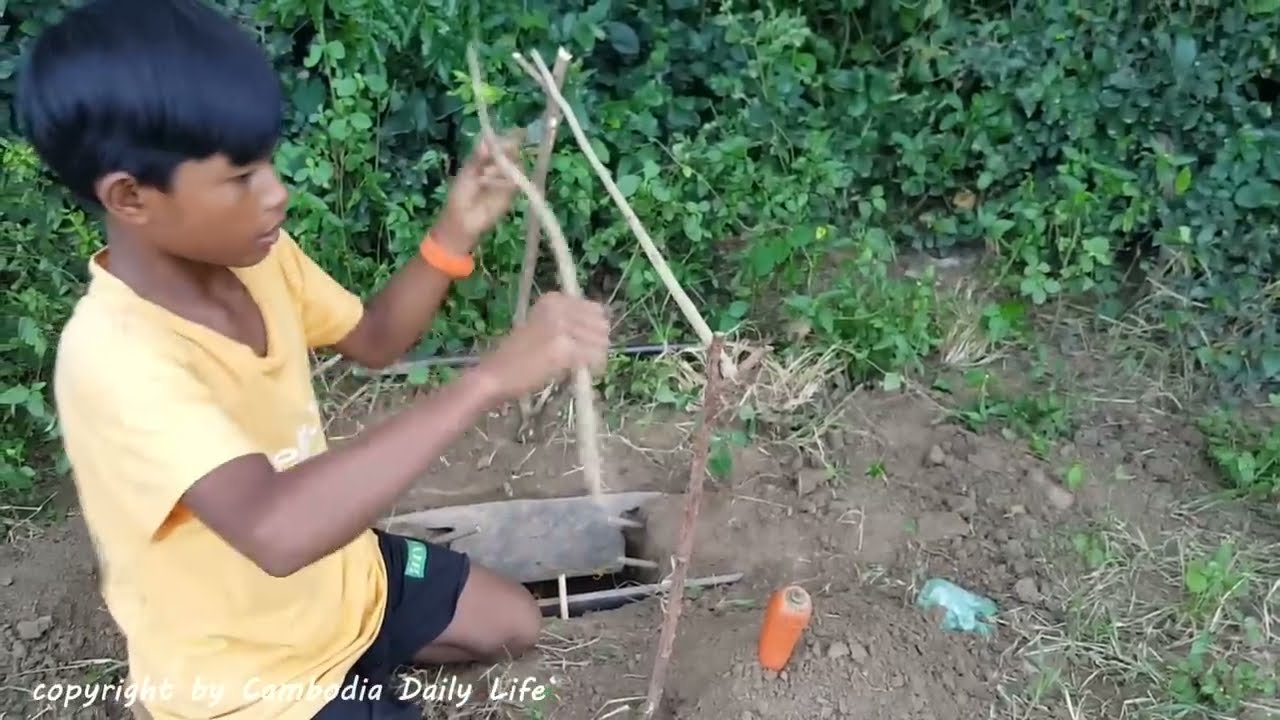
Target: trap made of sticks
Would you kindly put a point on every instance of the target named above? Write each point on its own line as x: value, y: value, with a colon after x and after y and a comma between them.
x: 564, y: 549
x: 720, y: 365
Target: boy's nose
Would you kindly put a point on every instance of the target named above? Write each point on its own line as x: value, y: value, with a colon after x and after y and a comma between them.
x: 275, y: 196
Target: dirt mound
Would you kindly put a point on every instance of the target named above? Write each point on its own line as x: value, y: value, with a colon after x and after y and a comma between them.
x: 909, y: 501
x: 870, y: 658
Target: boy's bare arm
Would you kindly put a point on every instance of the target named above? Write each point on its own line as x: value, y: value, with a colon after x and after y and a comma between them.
x: 396, y: 318
x: 284, y: 521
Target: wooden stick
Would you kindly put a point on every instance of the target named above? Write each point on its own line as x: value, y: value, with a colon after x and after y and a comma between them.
x: 547, y: 82
x: 587, y: 424
x: 564, y: 598
x: 620, y: 522
x: 641, y: 590
x: 684, y: 547
x: 532, y: 227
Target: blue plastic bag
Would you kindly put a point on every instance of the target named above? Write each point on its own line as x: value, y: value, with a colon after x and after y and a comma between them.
x: 965, y: 611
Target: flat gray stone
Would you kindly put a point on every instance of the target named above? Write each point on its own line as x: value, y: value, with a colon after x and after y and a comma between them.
x: 531, y: 540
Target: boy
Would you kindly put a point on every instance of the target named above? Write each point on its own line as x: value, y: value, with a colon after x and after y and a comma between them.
x: 236, y: 551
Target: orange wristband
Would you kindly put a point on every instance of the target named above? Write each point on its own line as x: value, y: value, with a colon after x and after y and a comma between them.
x: 451, y: 264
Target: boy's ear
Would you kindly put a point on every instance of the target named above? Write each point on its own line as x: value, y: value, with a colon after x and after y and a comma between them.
x: 123, y: 197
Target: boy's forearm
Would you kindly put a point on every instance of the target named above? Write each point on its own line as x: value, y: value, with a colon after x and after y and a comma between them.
x: 322, y: 504
x: 397, y: 316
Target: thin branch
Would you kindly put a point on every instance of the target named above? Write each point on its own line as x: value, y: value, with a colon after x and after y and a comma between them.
x: 711, y: 402
x: 532, y: 227
x: 587, y: 424
x: 544, y: 78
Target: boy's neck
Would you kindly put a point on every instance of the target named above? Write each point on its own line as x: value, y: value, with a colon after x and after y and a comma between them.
x: 157, y: 276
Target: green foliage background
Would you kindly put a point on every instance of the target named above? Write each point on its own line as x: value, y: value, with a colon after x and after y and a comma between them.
x: 1123, y: 153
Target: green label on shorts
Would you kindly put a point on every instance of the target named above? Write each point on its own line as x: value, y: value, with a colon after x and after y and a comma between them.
x: 416, y: 564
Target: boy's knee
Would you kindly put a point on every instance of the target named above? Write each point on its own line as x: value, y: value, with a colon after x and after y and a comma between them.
x: 518, y: 632
x: 525, y: 626
x: 516, y: 618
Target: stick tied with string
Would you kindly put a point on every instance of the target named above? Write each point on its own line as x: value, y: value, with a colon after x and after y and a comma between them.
x: 532, y: 225
x: 587, y: 423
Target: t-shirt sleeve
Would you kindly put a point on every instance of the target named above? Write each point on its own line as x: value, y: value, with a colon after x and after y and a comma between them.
x: 329, y: 311
x: 143, y: 423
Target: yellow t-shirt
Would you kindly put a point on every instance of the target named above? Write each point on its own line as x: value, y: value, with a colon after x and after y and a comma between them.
x: 150, y: 402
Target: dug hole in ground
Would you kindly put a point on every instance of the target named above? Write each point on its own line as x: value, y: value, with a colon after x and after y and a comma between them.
x: 1082, y: 529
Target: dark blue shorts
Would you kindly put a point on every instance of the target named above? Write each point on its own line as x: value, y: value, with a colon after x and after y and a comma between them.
x: 424, y: 582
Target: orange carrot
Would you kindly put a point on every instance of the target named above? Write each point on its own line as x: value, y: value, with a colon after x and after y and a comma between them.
x: 785, y: 620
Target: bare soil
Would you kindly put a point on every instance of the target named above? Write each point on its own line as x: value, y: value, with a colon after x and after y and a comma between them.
x: 901, y: 494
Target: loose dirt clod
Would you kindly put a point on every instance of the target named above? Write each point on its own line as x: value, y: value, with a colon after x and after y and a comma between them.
x: 1054, y: 494
x: 937, y: 456
x: 33, y: 629
x: 938, y: 526
x: 1026, y: 590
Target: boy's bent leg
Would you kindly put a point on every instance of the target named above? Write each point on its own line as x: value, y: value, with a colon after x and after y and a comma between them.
x: 496, y: 619
x: 442, y: 609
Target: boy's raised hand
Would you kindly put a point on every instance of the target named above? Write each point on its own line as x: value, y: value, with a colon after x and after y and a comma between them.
x: 479, y: 196
x: 561, y: 334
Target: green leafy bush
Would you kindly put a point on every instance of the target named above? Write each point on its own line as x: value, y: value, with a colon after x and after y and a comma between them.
x: 42, y: 269
x: 1122, y: 151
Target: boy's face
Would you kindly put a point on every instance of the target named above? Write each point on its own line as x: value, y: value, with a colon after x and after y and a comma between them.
x: 215, y: 212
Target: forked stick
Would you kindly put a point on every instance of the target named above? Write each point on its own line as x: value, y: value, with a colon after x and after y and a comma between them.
x: 546, y: 81
x: 588, y: 438
x: 711, y: 403
x: 532, y: 227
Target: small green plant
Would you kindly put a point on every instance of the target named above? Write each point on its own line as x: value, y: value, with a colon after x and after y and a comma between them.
x: 720, y: 455
x: 1218, y: 684
x: 1074, y: 478
x: 1092, y: 549
x: 655, y: 383
x: 1005, y: 322
x: 1040, y: 419
x: 1246, y: 456
x: 1211, y: 582
x: 885, y: 324
x: 541, y: 708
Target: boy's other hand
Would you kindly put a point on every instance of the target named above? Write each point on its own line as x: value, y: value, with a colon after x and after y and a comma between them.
x: 479, y: 196
x: 561, y: 334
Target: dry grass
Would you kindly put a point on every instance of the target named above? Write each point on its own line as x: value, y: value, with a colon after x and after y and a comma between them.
x: 349, y: 400
x: 1151, y: 630
x: 966, y: 343
x: 793, y: 398
x: 1174, y: 624
x: 24, y: 523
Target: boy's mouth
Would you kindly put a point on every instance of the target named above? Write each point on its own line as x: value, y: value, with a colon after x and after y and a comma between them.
x: 270, y: 236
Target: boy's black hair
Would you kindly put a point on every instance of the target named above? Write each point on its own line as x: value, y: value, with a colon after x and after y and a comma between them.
x: 141, y: 86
